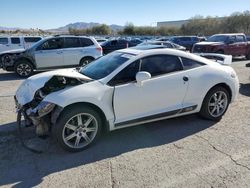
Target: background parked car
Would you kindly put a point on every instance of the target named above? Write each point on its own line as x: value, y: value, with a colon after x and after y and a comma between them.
x: 234, y: 44
x: 186, y: 41
x: 101, y: 40
x: 164, y: 44
x: 51, y: 53
x: 115, y: 44
x: 134, y: 42
x: 17, y: 42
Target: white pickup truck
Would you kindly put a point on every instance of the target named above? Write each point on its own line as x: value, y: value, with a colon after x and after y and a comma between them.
x: 17, y: 42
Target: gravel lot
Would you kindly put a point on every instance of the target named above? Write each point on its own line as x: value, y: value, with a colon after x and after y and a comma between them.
x: 183, y: 152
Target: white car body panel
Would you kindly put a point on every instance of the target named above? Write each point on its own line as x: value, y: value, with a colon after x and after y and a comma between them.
x: 157, y: 95
x: 160, y: 94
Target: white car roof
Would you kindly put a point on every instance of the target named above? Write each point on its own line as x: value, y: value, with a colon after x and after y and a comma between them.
x: 168, y: 51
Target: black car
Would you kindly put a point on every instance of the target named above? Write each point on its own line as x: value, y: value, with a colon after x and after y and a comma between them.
x: 112, y: 45
x: 186, y: 41
x: 134, y: 42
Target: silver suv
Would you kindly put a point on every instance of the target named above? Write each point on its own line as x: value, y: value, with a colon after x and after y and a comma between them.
x: 52, y: 53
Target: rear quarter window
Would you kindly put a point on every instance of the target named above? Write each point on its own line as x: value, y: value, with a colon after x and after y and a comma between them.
x: 190, y: 64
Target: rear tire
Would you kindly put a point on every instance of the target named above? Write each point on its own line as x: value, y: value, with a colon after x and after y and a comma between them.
x: 86, y: 60
x: 77, y: 128
x: 215, y: 104
x: 23, y: 68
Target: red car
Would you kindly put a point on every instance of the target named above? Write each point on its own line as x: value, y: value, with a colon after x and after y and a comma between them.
x: 231, y: 44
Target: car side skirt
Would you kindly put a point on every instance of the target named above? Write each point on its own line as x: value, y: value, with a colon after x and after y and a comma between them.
x: 156, y: 117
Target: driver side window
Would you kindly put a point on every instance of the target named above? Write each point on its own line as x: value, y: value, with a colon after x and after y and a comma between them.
x: 52, y: 44
x: 126, y: 75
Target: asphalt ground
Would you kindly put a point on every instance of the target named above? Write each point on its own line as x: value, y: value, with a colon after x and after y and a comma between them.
x: 181, y: 152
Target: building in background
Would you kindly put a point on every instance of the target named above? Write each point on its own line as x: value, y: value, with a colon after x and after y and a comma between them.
x: 179, y: 23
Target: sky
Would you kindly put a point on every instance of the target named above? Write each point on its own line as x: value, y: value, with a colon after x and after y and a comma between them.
x: 48, y: 14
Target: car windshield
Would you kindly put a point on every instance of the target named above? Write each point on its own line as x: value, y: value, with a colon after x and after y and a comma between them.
x: 217, y: 38
x: 105, y: 65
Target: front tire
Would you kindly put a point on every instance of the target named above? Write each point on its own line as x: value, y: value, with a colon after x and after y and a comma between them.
x: 23, y: 68
x: 77, y: 128
x: 215, y: 103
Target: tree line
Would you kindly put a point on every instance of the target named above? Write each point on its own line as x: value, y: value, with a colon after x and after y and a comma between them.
x: 198, y: 25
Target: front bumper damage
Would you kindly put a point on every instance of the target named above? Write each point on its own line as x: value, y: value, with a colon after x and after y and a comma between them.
x: 43, y: 116
x: 31, y: 98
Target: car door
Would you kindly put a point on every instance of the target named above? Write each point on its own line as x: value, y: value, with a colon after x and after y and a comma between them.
x: 49, y: 54
x: 72, y: 51
x: 4, y: 44
x: 232, y: 47
x: 163, y: 94
x: 16, y: 43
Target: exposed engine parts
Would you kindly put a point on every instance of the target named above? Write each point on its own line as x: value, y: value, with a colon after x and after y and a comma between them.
x: 42, y: 113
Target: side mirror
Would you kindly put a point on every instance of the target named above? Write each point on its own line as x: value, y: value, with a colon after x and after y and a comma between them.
x: 141, y: 77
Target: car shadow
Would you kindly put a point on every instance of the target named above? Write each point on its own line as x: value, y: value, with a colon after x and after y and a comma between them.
x: 245, y: 89
x: 25, y: 169
x: 9, y: 76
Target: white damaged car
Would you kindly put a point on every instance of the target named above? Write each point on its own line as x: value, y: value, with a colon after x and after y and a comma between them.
x: 122, y: 89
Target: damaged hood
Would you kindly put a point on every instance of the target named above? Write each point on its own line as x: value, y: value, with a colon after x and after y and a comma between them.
x: 13, y: 51
x: 26, y: 91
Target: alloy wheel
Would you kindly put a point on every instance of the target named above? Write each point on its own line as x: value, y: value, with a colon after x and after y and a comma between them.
x: 80, y: 130
x: 217, y: 103
x: 24, y: 69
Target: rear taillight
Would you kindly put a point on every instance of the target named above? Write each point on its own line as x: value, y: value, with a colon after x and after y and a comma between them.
x: 99, y: 49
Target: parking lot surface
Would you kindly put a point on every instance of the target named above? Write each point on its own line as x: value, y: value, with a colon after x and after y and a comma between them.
x: 181, y: 152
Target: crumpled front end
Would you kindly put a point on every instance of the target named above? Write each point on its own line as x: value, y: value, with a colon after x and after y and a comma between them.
x: 30, y: 97
x: 8, y: 58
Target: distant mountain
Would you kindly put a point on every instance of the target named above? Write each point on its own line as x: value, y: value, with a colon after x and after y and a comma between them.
x: 8, y: 28
x: 64, y: 29
x: 82, y: 25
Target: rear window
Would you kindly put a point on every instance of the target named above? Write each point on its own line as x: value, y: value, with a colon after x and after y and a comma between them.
x: 15, y: 40
x: 217, y: 38
x: 31, y: 39
x: 3, y: 40
x: 185, y: 38
x: 86, y: 42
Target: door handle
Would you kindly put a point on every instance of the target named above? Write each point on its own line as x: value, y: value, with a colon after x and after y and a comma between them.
x: 59, y: 52
x: 185, y: 78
